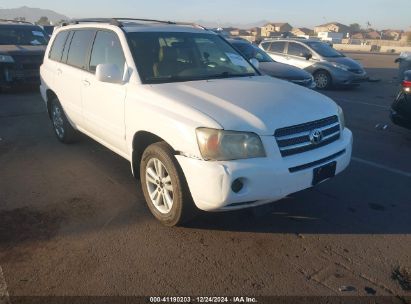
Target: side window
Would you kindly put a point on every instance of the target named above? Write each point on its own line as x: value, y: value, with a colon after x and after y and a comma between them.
x: 277, y: 47
x: 107, y: 49
x: 67, y: 47
x: 266, y: 45
x: 295, y: 49
x: 58, y: 46
x: 79, y: 47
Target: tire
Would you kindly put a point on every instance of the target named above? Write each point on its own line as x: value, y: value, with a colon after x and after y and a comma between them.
x: 164, y: 186
x: 61, y: 126
x: 323, y: 80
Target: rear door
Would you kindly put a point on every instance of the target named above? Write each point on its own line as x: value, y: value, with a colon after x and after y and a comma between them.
x: 103, y: 103
x: 296, y: 55
x: 70, y: 72
x: 276, y: 51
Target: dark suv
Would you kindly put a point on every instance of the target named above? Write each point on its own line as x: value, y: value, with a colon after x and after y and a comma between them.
x: 22, y: 48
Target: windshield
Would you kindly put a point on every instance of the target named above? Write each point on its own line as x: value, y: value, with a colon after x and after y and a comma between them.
x: 251, y: 51
x: 173, y: 57
x: 22, y: 35
x: 323, y: 49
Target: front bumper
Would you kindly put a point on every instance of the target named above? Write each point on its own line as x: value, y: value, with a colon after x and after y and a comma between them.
x: 345, y: 78
x: 13, y: 74
x: 265, y: 179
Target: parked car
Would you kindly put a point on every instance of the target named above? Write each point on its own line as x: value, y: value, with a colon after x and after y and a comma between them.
x: 329, y: 67
x: 401, y: 108
x: 268, y: 66
x: 48, y: 29
x: 404, y: 64
x: 201, y: 127
x: 22, y: 47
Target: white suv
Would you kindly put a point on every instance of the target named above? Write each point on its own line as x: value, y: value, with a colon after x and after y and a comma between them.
x: 201, y: 127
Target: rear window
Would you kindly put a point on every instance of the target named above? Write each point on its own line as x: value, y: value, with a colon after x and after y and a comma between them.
x: 22, y: 35
x: 58, y: 46
x: 277, y: 47
x: 79, y: 48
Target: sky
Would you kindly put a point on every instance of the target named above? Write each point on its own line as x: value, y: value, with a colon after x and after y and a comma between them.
x: 380, y: 13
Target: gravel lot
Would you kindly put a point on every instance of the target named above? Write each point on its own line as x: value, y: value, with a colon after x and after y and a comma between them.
x: 73, y: 221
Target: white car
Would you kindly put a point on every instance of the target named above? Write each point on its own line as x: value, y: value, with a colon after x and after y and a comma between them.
x: 201, y: 127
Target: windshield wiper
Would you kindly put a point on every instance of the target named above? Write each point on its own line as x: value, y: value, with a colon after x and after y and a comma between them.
x: 229, y: 75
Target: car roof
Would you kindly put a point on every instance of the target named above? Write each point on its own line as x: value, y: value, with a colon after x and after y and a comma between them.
x: 15, y: 23
x: 302, y: 40
x: 137, y: 25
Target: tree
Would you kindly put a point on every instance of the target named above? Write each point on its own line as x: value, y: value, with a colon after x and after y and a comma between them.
x: 355, y: 28
x: 409, y: 36
x: 43, y: 21
x: 20, y: 19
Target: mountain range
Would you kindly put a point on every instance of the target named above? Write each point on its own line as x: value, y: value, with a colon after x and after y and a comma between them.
x: 31, y: 14
x: 34, y: 14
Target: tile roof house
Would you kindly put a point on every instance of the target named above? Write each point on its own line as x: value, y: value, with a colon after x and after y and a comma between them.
x: 275, y: 27
x: 332, y: 27
x: 302, y: 31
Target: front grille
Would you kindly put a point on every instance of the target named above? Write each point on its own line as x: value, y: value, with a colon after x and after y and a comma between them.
x: 28, y: 62
x: 296, y: 139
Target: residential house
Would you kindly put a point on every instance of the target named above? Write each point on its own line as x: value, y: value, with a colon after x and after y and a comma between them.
x: 392, y: 34
x: 255, y: 31
x: 302, y: 31
x: 270, y: 28
x: 335, y: 27
x: 358, y: 36
x: 373, y: 35
x: 239, y: 32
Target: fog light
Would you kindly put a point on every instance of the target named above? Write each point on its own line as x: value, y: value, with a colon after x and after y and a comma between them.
x: 237, y: 186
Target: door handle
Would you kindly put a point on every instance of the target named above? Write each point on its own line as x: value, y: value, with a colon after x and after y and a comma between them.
x: 59, y: 72
x: 86, y: 83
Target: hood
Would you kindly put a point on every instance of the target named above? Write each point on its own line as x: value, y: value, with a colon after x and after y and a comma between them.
x: 259, y: 104
x: 346, y: 61
x: 283, y: 71
x: 23, y: 49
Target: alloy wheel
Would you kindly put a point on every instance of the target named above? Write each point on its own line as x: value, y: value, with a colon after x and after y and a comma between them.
x: 159, y: 186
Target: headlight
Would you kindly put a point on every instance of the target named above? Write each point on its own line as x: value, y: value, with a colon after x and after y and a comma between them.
x: 220, y: 145
x: 341, y: 118
x: 340, y: 66
x: 6, y: 59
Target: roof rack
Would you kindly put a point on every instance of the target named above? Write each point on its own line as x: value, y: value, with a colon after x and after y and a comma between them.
x: 15, y: 21
x: 118, y: 21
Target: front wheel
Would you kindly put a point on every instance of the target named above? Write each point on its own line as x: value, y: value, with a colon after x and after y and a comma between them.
x: 322, y: 80
x: 164, y: 186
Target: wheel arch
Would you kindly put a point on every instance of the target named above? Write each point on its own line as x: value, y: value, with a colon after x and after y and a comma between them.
x: 141, y: 141
x: 50, y: 95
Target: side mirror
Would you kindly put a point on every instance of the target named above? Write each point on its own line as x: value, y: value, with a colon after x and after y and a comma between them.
x: 255, y: 63
x: 109, y: 73
x: 307, y: 56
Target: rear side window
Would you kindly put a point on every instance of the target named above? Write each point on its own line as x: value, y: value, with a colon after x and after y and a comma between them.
x: 58, y: 46
x: 277, y: 47
x: 296, y: 49
x: 79, y: 48
x: 107, y: 49
x: 266, y: 45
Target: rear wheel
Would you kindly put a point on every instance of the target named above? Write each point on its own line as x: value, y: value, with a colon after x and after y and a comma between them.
x: 62, y: 127
x: 164, y: 186
x: 323, y: 80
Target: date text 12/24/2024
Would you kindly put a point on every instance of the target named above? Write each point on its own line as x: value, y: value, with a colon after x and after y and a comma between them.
x: 203, y: 300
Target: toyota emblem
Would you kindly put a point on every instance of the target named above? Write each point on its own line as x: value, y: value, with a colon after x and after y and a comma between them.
x: 316, y: 137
